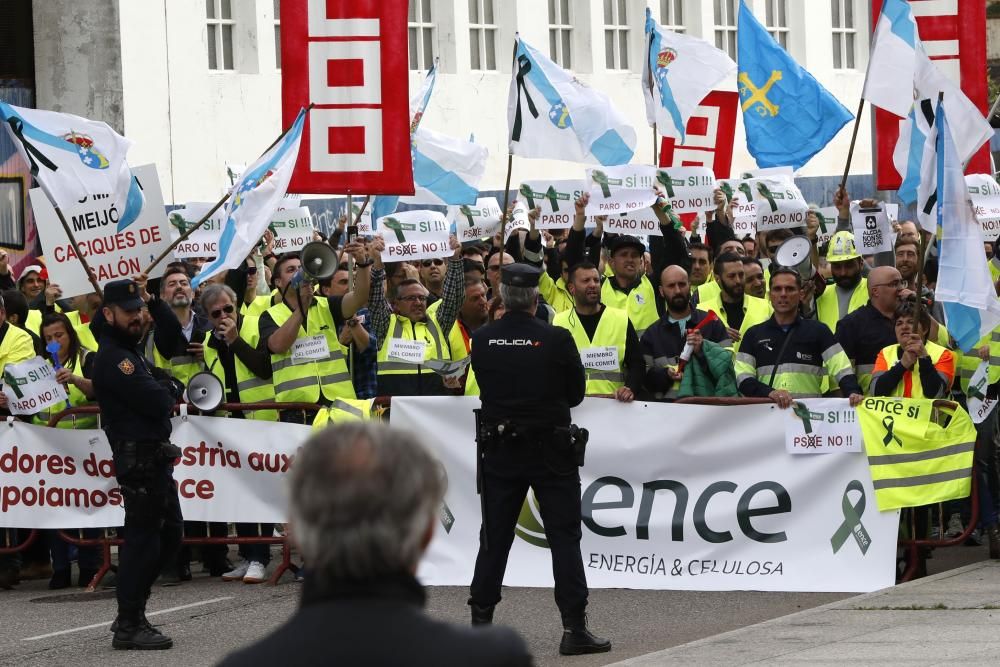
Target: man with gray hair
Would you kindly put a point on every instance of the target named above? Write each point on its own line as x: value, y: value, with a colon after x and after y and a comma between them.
x: 530, y: 375
x: 362, y: 603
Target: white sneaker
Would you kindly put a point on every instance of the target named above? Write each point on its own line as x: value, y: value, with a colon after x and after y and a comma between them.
x: 254, y: 573
x: 237, y: 572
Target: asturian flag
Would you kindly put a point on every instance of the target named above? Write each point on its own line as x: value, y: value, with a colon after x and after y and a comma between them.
x: 254, y: 200
x: 552, y: 115
x: 964, y: 286
x: 892, y: 67
x: 678, y: 73
x: 74, y: 158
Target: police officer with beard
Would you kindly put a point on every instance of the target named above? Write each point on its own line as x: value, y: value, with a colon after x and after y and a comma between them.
x: 525, y: 438
x: 136, y: 401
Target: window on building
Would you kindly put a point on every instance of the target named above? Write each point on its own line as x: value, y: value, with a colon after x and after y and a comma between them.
x: 776, y: 20
x: 277, y: 34
x: 560, y: 33
x: 615, y: 34
x: 672, y: 15
x: 421, y: 35
x: 219, y: 14
x: 725, y: 14
x: 483, y: 34
x: 844, y: 33
x: 12, y: 212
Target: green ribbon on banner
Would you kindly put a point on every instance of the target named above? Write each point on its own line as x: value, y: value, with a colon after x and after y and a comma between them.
x: 852, y: 520
x: 601, y: 179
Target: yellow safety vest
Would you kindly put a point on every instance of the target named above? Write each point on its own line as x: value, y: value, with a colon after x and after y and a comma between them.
x: 555, y: 293
x: 640, y: 303
x: 456, y: 341
x: 967, y: 363
x: 437, y: 347
x: 76, y: 399
x: 343, y: 410
x: 86, y: 336
x: 828, y: 307
x: 249, y: 387
x: 257, y: 307
x: 611, y: 331
x: 708, y: 291
x: 33, y: 322
x: 471, y: 383
x: 891, y: 355
x: 17, y: 346
x: 755, y: 311
x: 915, y: 461
x: 301, y: 383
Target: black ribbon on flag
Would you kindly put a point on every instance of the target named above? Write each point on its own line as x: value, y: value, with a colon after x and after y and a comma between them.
x: 523, y: 67
x: 17, y: 127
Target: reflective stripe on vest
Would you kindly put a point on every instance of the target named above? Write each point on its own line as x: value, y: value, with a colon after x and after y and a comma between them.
x: 639, y: 304
x: 427, y: 331
x: 828, y: 306
x: 76, y: 399
x: 302, y: 383
x: 342, y: 410
x: 612, y: 330
x: 891, y: 356
x: 755, y: 311
x: 249, y: 387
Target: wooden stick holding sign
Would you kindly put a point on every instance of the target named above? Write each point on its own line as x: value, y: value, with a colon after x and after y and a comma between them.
x: 197, y: 225
x: 510, y: 160
x: 854, y: 138
x: 91, y: 274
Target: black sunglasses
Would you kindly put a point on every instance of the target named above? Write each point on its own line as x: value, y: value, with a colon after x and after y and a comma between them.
x: 432, y: 262
x: 227, y: 309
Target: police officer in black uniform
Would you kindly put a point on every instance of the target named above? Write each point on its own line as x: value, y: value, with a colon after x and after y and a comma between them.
x: 530, y: 375
x: 136, y: 401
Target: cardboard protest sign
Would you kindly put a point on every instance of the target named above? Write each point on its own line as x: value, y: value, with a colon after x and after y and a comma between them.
x: 816, y: 426
x: 827, y: 217
x: 112, y: 255
x: 292, y: 229
x: 779, y: 203
x: 414, y: 235
x: 31, y: 386
x: 622, y: 189
x: 985, y: 195
x: 204, y: 242
x: 637, y: 223
x: 744, y: 211
x: 872, y: 231
x: 476, y: 221
x: 555, y: 198
x: 689, y: 189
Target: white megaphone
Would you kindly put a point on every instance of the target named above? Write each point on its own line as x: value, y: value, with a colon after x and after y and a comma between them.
x: 205, y: 392
x: 796, y: 253
x: 319, y: 261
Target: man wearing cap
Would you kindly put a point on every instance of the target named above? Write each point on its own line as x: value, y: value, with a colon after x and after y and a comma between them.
x: 530, y: 375
x: 850, y: 289
x: 136, y: 401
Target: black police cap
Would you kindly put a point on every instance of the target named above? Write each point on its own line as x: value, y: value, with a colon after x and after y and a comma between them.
x: 123, y: 293
x: 520, y: 275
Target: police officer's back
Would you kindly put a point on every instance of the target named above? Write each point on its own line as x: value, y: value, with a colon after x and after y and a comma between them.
x: 135, y: 407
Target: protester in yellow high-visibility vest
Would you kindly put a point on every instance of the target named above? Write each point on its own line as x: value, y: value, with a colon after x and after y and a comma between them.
x: 607, y: 341
x: 788, y: 356
x: 75, y: 367
x: 308, y: 362
x: 914, y: 367
x: 186, y: 360
x: 407, y: 327
x: 737, y: 310
x: 850, y: 289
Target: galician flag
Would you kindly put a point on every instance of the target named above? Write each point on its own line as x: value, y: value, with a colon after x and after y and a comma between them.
x: 552, y: 115
x: 892, y: 66
x: 254, y: 200
x: 446, y: 170
x: 679, y: 71
x: 75, y: 159
x: 964, y: 285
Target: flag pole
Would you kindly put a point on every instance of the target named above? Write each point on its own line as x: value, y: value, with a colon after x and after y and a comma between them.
x: 510, y: 163
x: 922, y: 256
x: 92, y: 277
x: 215, y: 208
x: 854, y: 138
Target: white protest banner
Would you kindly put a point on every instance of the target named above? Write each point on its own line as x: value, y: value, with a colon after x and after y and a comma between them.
x: 203, y: 242
x: 780, y: 173
x: 872, y: 231
x: 637, y: 223
x: 518, y: 220
x: 779, y: 204
x: 478, y: 221
x: 414, y: 235
x: 111, y: 254
x: 557, y: 199
x: 57, y: 478
x: 827, y: 218
x: 292, y: 229
x: 689, y: 189
x: 707, y: 505
x: 234, y: 469
x: 366, y: 225
x: 985, y: 195
x: 744, y: 210
x: 980, y: 406
x: 822, y: 425
x: 31, y: 386
x: 622, y: 189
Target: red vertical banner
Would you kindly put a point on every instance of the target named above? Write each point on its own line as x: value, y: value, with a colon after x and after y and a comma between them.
x: 954, y: 35
x: 709, y: 136
x: 349, y: 59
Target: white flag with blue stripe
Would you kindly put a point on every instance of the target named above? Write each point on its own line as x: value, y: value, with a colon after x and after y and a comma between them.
x: 679, y: 71
x: 964, y: 285
x: 552, y: 115
x: 915, y: 157
x: 254, y: 200
x: 892, y: 67
x: 446, y: 170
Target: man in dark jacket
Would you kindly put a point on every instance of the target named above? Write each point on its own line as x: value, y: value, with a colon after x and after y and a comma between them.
x: 362, y: 604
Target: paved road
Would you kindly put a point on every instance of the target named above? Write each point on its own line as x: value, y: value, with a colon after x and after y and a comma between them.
x: 208, y: 618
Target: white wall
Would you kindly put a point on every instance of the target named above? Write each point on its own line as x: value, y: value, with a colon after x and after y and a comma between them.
x: 191, y: 121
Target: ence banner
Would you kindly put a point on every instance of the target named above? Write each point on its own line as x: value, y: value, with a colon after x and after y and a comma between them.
x: 711, y: 506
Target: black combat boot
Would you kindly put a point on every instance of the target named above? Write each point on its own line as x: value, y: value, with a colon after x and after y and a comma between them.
x: 577, y: 639
x: 482, y: 615
x: 133, y: 631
